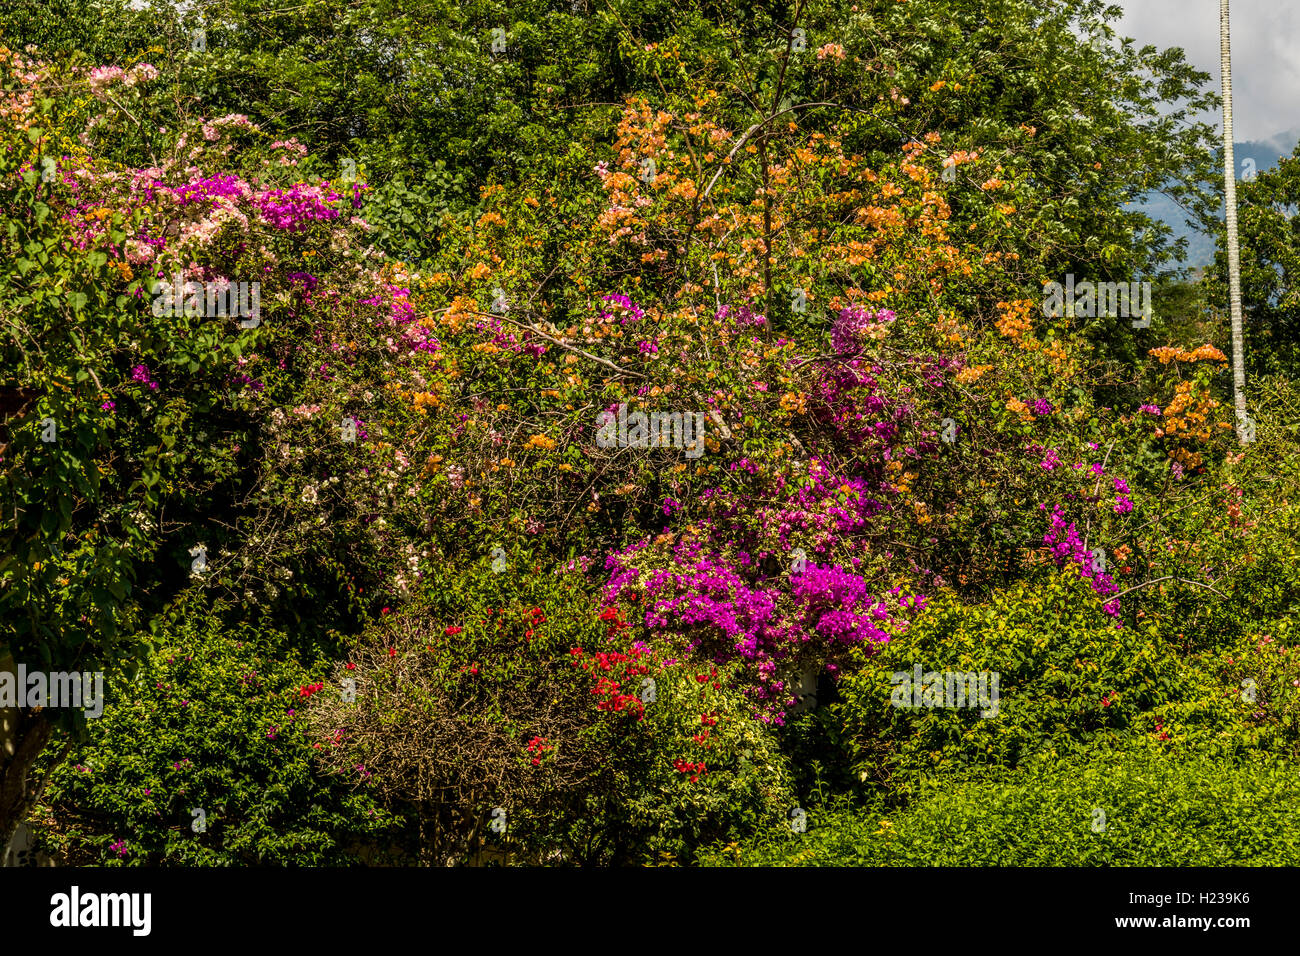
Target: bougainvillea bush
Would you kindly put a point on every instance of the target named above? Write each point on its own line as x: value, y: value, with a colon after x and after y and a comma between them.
x: 537, y: 548
x: 521, y: 721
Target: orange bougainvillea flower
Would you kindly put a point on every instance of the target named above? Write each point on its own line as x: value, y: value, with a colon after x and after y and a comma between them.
x: 1205, y: 353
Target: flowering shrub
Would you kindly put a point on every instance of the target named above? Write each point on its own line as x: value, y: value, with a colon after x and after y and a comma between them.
x: 717, y: 610
x: 402, y: 450
x: 503, y: 710
x: 1067, y: 548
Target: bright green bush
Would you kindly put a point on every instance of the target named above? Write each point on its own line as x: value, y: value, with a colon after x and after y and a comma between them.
x: 1238, y: 701
x: 1067, y: 676
x: 214, y: 721
x: 1137, y: 808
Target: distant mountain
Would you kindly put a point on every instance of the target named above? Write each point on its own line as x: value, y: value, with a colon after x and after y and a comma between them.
x: 1259, y: 155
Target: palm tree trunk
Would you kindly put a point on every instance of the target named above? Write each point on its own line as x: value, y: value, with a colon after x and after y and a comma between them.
x: 1230, y: 200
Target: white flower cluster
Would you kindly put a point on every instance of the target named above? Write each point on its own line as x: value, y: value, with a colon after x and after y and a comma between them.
x: 143, y: 522
x: 311, y: 495
x: 413, y: 560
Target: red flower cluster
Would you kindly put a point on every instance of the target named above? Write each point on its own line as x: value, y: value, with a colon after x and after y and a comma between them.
x: 705, y: 678
x: 613, y: 616
x: 531, y: 620
x: 685, y: 766
x: 453, y: 630
x: 614, y: 701
x: 616, y: 664
x: 306, y: 690
x: 538, y: 747
x: 1161, y: 733
x: 608, y: 660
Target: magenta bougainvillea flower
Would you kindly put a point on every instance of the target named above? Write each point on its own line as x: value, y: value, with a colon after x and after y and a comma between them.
x: 292, y: 210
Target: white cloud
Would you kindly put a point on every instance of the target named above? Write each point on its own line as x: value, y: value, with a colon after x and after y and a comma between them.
x: 1265, y: 54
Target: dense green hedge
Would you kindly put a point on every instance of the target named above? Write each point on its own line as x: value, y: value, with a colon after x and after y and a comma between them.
x: 212, y: 722
x: 1194, y: 811
x: 1067, y: 676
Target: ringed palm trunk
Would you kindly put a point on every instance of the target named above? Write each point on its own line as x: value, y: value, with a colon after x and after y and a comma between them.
x: 1230, y: 215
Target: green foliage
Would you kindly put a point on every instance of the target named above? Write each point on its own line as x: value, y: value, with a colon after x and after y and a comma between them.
x: 1234, y: 531
x: 1270, y: 267
x: 1240, y: 701
x: 214, y: 721
x: 1139, y: 808
x: 1067, y: 677
x: 655, y: 811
